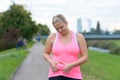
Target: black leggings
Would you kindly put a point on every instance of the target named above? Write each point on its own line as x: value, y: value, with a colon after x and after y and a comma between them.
x: 62, y: 78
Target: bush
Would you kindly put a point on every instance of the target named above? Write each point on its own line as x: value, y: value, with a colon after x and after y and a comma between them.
x: 2, y: 44
x: 115, y: 50
x: 9, y: 38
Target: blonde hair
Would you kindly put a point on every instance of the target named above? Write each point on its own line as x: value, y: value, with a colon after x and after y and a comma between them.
x: 57, y: 18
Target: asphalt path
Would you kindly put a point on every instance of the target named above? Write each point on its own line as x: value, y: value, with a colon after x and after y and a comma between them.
x: 34, y: 67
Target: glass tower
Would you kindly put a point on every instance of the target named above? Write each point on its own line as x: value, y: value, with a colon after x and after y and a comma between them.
x: 79, y: 25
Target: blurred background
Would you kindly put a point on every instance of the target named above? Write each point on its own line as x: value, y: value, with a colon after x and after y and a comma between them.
x: 31, y: 20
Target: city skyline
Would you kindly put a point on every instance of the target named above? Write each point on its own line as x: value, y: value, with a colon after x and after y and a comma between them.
x: 107, y: 12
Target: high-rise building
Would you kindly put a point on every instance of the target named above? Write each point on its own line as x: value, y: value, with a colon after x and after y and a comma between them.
x: 89, y: 24
x: 79, y: 25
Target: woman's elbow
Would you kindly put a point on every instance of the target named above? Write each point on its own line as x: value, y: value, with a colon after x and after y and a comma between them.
x: 85, y: 58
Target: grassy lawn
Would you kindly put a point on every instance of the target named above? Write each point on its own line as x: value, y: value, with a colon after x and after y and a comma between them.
x: 7, y: 51
x: 101, y: 66
x: 9, y: 63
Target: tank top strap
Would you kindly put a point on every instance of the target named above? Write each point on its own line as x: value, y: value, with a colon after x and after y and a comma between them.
x: 56, y: 39
x: 74, y: 35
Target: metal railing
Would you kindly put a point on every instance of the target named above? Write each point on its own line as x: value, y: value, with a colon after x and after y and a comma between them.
x: 96, y: 37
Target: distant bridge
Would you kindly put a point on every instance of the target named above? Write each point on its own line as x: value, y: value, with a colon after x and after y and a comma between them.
x: 97, y: 37
x: 102, y: 37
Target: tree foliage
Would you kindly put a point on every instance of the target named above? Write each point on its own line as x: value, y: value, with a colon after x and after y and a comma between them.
x: 98, y: 30
x: 21, y: 19
x: 9, y: 37
x: 43, y: 29
x: 17, y: 22
x: 93, y: 31
x: 116, y: 32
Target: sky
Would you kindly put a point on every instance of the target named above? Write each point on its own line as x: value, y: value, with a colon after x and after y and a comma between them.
x: 107, y: 12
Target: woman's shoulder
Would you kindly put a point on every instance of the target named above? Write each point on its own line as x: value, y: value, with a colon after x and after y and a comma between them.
x: 79, y: 36
x: 52, y: 35
x: 51, y: 38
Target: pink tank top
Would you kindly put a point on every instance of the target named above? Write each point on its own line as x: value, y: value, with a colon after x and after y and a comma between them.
x: 63, y: 54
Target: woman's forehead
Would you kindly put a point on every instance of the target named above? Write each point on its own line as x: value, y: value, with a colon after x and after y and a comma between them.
x: 58, y: 23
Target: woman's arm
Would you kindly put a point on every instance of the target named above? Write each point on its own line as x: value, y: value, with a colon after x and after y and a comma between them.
x: 83, y: 50
x: 83, y: 53
x: 47, y: 51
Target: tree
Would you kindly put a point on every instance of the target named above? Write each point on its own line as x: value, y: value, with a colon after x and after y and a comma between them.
x: 21, y: 19
x: 98, y: 30
x: 116, y: 32
x: 107, y: 32
x: 43, y: 29
x: 93, y: 31
x: 21, y: 23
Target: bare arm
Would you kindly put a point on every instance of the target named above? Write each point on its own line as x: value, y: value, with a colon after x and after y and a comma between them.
x: 83, y: 50
x: 83, y: 53
x: 47, y: 51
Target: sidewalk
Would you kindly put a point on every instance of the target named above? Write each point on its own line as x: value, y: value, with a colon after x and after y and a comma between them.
x: 34, y: 66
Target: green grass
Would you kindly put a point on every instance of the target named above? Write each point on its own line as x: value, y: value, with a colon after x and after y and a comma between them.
x: 43, y: 41
x: 29, y: 44
x: 7, y: 51
x: 9, y: 63
x: 101, y: 66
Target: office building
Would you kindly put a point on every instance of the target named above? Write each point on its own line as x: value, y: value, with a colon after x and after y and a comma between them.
x: 79, y: 25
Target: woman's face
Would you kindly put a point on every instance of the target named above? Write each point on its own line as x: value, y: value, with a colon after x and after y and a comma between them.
x: 61, y: 27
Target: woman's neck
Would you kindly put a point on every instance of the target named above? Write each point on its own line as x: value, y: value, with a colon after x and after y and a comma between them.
x: 66, y: 34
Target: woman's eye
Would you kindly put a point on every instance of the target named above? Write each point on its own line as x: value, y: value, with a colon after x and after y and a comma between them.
x: 61, y: 27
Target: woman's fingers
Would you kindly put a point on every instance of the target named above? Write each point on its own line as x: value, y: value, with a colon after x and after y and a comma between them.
x: 54, y: 68
x: 67, y: 68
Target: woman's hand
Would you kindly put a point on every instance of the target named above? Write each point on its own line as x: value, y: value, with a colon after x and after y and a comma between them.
x: 67, y: 68
x: 53, y: 66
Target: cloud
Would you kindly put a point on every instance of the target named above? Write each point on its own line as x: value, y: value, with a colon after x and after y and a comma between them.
x: 106, y: 11
x: 4, y: 5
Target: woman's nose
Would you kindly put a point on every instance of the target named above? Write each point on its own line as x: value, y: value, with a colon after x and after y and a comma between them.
x: 60, y: 30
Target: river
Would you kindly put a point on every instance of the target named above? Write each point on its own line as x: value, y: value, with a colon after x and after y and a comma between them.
x: 98, y: 49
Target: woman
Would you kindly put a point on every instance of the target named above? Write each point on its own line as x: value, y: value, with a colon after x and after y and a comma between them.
x: 65, y: 46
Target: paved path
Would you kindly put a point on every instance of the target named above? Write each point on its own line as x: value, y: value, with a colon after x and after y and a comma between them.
x: 34, y: 66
